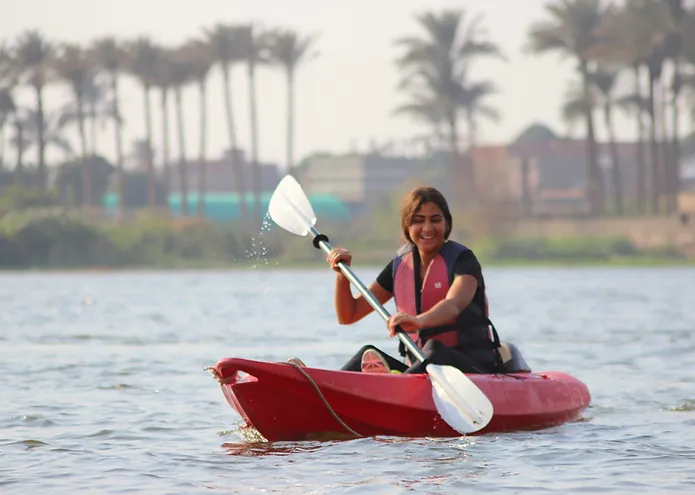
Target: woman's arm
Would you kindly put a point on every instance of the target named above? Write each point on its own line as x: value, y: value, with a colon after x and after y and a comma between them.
x: 350, y: 309
x: 459, y: 296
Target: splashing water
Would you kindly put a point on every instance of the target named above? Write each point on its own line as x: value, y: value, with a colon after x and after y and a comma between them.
x: 259, y: 252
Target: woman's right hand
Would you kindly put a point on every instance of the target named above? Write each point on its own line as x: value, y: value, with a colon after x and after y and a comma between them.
x: 336, y: 255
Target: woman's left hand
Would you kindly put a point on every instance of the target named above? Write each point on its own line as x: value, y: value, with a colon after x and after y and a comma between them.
x: 407, y: 323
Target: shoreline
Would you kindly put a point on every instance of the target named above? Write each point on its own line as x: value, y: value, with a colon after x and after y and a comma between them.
x: 295, y: 265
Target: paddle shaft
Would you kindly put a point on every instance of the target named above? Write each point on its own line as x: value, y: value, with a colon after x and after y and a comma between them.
x: 373, y: 301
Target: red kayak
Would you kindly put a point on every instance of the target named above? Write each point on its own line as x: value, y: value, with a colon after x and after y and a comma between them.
x: 284, y: 402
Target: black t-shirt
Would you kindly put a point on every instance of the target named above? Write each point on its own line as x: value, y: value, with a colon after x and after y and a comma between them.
x: 466, y: 264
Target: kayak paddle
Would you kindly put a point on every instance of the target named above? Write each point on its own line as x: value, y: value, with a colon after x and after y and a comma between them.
x: 460, y: 403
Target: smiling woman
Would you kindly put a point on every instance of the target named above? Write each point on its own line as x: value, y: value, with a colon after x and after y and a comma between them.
x: 439, y: 291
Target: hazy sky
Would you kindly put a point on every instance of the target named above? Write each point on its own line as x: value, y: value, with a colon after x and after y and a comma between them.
x: 345, y: 96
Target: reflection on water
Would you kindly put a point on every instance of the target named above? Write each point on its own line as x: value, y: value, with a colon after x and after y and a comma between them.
x: 244, y: 449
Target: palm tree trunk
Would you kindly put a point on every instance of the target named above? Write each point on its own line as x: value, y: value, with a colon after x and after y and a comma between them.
x: 665, y: 147
x: 202, y: 166
x: 118, y: 137
x: 290, y: 121
x: 19, y: 168
x: 678, y: 15
x: 43, y: 179
x: 675, y: 145
x: 655, y: 159
x: 615, y: 168
x: 93, y: 128
x: 151, y: 193
x: 255, y: 166
x: 236, y: 166
x: 594, y: 175
x: 86, y: 179
x: 183, y: 173
x: 641, y: 165
x: 166, y: 166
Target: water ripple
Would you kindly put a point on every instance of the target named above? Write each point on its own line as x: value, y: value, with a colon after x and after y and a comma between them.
x: 102, y: 388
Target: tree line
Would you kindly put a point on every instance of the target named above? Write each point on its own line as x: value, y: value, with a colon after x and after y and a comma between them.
x: 650, y: 42
x: 34, y: 61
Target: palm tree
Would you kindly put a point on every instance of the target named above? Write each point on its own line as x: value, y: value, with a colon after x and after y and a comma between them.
x: 636, y: 104
x: 576, y: 106
x: 471, y: 100
x: 20, y: 144
x: 200, y: 59
x: 426, y: 108
x: 181, y: 71
x: 163, y: 81
x: 435, y: 68
x: 226, y: 44
x: 256, y: 51
x: 688, y: 78
x: 32, y: 55
x: 636, y: 35
x: 604, y: 80
x: 142, y: 61
x: 7, y: 106
x: 570, y: 30
x: 54, y: 132
x: 289, y: 50
x: 74, y: 66
x: 108, y: 54
x: 681, y: 29
x: 98, y: 109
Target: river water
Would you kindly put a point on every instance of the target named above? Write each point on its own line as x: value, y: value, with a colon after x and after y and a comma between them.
x: 102, y: 387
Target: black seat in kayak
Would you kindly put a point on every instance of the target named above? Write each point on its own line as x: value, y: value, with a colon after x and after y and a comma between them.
x: 512, y: 358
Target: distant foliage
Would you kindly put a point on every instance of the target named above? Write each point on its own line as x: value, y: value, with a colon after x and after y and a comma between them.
x: 61, y: 240
x: 54, y: 239
x: 16, y: 197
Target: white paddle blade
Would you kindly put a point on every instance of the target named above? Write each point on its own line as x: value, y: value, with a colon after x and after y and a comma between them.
x: 290, y: 208
x: 459, y: 401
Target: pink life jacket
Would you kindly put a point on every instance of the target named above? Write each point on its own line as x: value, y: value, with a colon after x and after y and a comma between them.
x: 469, y: 330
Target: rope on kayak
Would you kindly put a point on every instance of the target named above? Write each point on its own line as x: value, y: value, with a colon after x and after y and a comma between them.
x: 215, y: 374
x: 225, y: 381
x: 323, y: 398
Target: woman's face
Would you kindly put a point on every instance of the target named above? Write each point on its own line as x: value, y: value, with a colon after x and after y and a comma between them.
x: 427, y: 228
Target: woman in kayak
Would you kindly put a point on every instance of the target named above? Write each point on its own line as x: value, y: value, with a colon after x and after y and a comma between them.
x: 439, y: 293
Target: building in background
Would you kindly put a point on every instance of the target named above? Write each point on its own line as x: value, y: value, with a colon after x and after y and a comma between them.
x: 362, y: 179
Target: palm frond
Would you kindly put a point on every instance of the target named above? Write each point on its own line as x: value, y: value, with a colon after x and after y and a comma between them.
x: 289, y: 48
x: 434, y: 66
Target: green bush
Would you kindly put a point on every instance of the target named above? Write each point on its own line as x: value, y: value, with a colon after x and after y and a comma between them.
x: 62, y: 240
x: 52, y: 241
x: 16, y: 197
